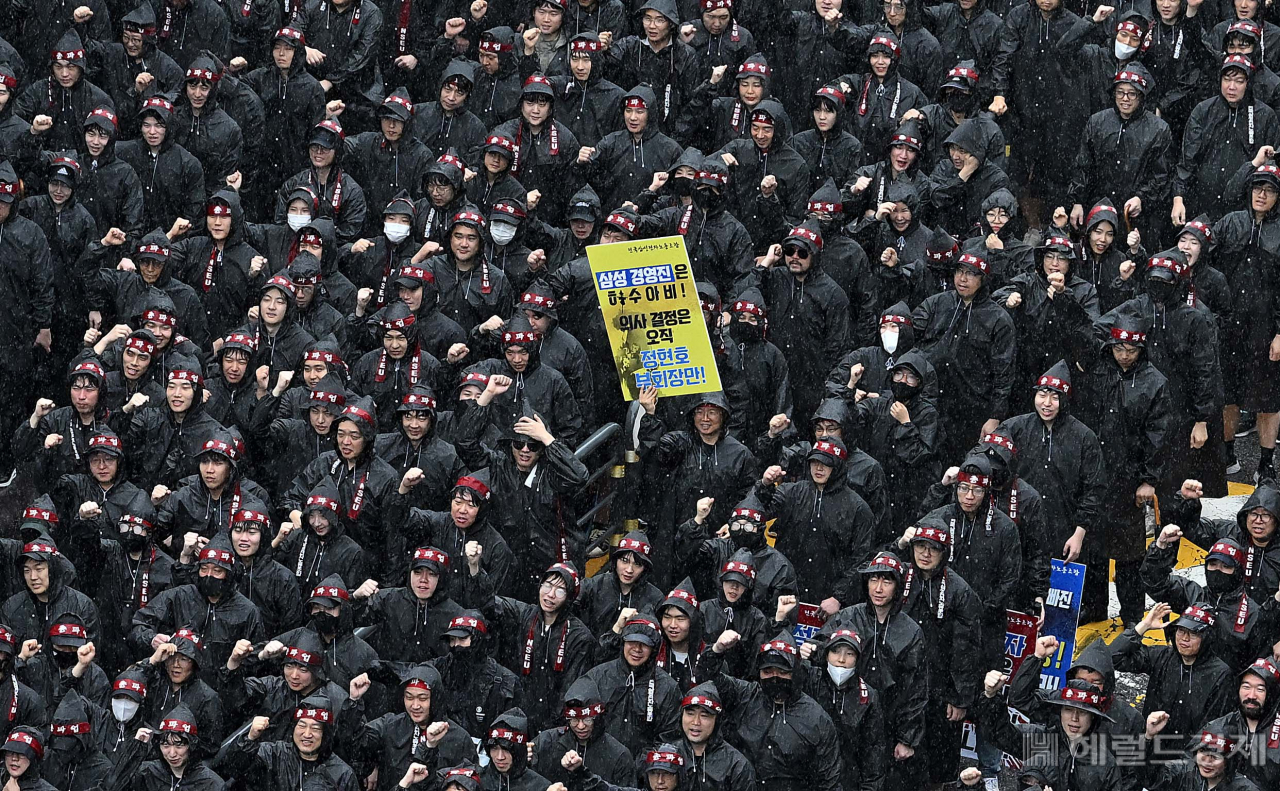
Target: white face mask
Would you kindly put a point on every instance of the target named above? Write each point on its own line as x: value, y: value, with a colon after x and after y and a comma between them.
x: 297, y: 221
x: 123, y: 709
x: 396, y: 232
x: 1124, y: 51
x: 889, y: 339
x: 502, y: 233
x: 839, y: 674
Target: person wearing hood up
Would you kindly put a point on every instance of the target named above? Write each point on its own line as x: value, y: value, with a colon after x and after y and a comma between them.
x: 714, y: 764
x: 46, y: 597
x: 222, y: 267
x: 656, y: 57
x: 340, y: 196
x: 265, y: 582
x: 293, y: 398
x: 202, y: 126
x: 115, y: 725
x: 56, y: 106
x: 498, y: 81
x: 965, y: 178
x: 1251, y: 719
x: 1244, y: 37
x: 900, y: 429
x: 207, y: 503
x: 301, y: 675
x: 16, y: 140
x: 1241, y: 620
x: 474, y: 687
x: 415, y: 444
x: 1125, y: 156
x: 1100, y: 257
x: 388, y: 374
x: 1205, y: 167
x: 770, y: 180
x: 831, y: 151
x: 1231, y: 14
x: 1080, y: 718
x: 1208, y: 285
x: 54, y: 441
x: 691, y: 467
x: 416, y: 287
x: 1187, y: 681
x: 294, y: 442
x: 494, y: 182
x: 1100, y: 46
x: 1053, y: 309
x: 959, y: 100
x: 212, y: 603
x: 174, y: 187
x: 329, y: 615
x: 713, y: 120
x: 559, y: 349
x: 315, y: 315
x: 62, y: 662
x: 825, y: 528
x: 844, y: 259
x: 682, y: 639
x: 762, y: 393
x: 180, y: 744
x: 584, y: 734
x: 1182, y: 345
x: 883, y: 96
x: 232, y: 390
x: 870, y: 368
x: 716, y: 36
x: 971, y: 342
x: 706, y: 553
x: 172, y: 673
x: 798, y: 750
x: 854, y: 706
x: 544, y: 148
x: 507, y: 745
x: 898, y: 242
x: 589, y: 104
x: 443, y: 196
x: 1125, y: 400
x: 921, y: 60
x: 389, y: 161
x: 119, y: 66
x: 641, y: 700
x: 462, y: 528
x: 76, y: 761
x: 625, y: 585
x: 374, y: 261
x: 366, y: 485
x: 868, y: 186
x: 23, y: 752
x: 1249, y: 241
x: 448, y: 124
x: 1253, y: 528
x: 124, y: 568
x: 473, y: 293
x: 544, y: 644
x: 307, y: 749
x: 342, y: 48
x: 393, y: 741
x: 28, y: 707
x: 1214, y: 760
x: 809, y: 331
x: 732, y: 608
x: 950, y: 615
x: 323, y: 548
x: 293, y: 103
x: 415, y: 615
x: 108, y: 186
x: 1071, y: 481
x: 605, y: 165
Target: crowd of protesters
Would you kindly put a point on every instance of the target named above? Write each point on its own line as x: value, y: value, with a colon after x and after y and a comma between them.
x: 298, y: 335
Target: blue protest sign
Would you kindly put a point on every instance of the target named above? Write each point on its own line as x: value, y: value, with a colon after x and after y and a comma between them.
x: 1061, y: 617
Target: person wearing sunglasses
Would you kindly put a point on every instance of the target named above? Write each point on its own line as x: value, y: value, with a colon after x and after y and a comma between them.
x: 809, y: 311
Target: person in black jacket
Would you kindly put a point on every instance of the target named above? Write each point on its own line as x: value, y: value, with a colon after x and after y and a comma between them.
x: 340, y: 197
x: 391, y: 160
x: 623, y: 585
x: 55, y: 441
x: 448, y: 124
x: 76, y: 761
x: 47, y: 595
x: 57, y: 105
x: 1186, y: 680
x: 583, y: 733
x: 588, y: 103
x: 388, y: 374
x: 322, y: 548
x: 23, y: 752
x: 831, y: 671
x: 223, y: 268
x: 203, y: 126
x: 178, y: 738
x: 770, y: 181
x: 415, y: 444
x: 415, y: 616
x: 476, y: 689
x: 280, y: 764
x: 498, y: 82
x: 797, y: 751
x: 347, y: 34
x: 171, y: 178
x: 1253, y: 528
x: 415, y: 729
x: 623, y: 162
x: 641, y: 700
x: 233, y: 389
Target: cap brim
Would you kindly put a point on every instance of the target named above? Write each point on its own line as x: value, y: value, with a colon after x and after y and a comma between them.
x: 774, y: 659
x: 735, y: 576
x: 458, y: 632
x: 580, y: 214
x: 646, y: 639
x: 67, y: 640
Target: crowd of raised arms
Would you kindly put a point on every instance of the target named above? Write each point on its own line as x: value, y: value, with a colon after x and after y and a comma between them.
x: 300, y: 344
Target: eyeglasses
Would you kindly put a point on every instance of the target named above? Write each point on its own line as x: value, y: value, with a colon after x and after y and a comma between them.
x: 523, y: 443
x: 553, y: 590
x: 1126, y: 94
x: 1260, y: 515
x: 906, y: 377
x: 896, y: 7
x: 795, y: 251
x: 968, y: 488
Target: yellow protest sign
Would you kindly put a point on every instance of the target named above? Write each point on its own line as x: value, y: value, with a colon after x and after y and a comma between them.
x: 651, y: 309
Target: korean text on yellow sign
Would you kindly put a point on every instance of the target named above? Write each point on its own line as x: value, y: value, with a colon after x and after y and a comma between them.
x: 651, y: 309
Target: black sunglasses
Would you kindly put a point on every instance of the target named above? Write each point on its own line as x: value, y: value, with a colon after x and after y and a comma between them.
x: 796, y: 251
x: 521, y: 443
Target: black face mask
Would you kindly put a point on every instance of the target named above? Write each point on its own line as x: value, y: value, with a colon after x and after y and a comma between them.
x: 961, y: 103
x: 708, y: 200
x: 1161, y: 291
x: 680, y: 186
x: 903, y: 392
x: 775, y: 687
x: 746, y: 539
x: 465, y: 654
x: 745, y: 332
x: 325, y: 623
x: 211, y: 586
x: 64, y: 659
x: 1219, y: 582
x: 132, y: 542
